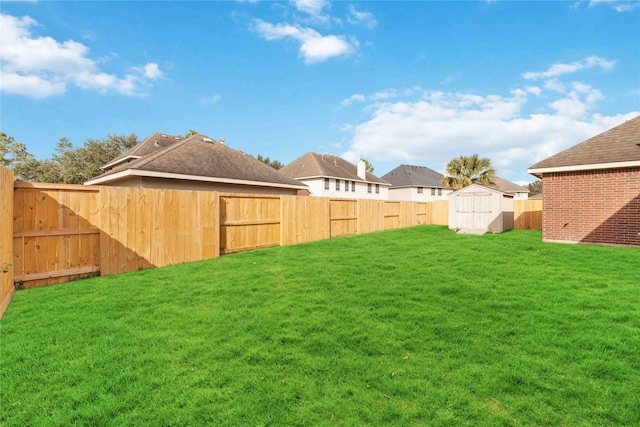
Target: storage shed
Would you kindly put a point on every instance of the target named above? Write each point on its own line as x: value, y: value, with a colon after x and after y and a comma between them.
x: 477, y: 209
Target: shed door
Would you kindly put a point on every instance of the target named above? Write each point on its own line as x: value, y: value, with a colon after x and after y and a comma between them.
x: 473, y: 210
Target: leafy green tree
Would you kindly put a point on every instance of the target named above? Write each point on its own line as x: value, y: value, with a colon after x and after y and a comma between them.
x: 466, y: 170
x: 25, y: 166
x: 267, y: 161
x: 535, y: 187
x: 191, y: 132
x: 77, y: 165
x: 69, y: 164
x: 369, y: 166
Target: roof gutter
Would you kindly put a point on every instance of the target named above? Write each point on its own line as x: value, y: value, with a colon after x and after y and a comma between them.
x: 617, y: 165
x: 117, y: 162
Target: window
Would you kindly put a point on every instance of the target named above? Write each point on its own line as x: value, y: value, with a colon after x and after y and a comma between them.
x: 377, y: 188
x: 439, y: 191
x: 419, y: 190
x: 433, y: 191
x: 346, y: 186
x: 353, y: 186
x: 368, y: 188
x: 337, y: 184
x: 326, y: 183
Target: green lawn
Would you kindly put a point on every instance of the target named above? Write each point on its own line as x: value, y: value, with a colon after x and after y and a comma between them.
x: 418, y: 326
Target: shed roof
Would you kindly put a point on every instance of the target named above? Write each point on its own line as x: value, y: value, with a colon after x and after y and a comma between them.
x: 316, y: 165
x: 479, y: 187
x: 614, y: 148
x: 195, y: 157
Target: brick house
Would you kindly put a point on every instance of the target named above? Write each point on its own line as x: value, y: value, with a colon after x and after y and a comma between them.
x: 592, y: 190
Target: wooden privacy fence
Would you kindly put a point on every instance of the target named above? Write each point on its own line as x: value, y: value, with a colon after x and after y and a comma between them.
x: 528, y: 214
x: 53, y: 233
x: 63, y: 232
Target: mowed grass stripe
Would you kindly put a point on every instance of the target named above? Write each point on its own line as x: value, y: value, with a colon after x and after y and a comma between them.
x: 417, y: 326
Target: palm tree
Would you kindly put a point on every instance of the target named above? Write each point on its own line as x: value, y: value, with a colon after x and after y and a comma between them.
x: 467, y: 170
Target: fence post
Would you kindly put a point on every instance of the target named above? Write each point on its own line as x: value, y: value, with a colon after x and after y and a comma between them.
x: 7, y: 289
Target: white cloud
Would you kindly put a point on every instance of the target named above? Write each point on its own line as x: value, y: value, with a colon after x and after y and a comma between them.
x: 555, y: 85
x: 376, y: 96
x: 311, y: 7
x: 384, y: 94
x: 32, y: 86
x: 213, y: 99
x: 314, y: 10
x: 559, y: 69
x: 353, y: 98
x: 617, y: 5
x: 40, y: 67
x: 314, y: 47
x: 151, y: 71
x: 361, y: 17
x: 534, y: 90
x: 436, y: 126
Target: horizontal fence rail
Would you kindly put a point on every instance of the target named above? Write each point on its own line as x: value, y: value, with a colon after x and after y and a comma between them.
x: 58, y: 233
x: 54, y: 233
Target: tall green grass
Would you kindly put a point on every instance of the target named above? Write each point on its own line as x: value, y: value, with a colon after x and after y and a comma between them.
x: 418, y: 326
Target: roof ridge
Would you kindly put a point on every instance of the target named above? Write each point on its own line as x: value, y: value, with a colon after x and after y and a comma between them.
x: 162, y: 152
x: 142, y: 144
x: 314, y: 157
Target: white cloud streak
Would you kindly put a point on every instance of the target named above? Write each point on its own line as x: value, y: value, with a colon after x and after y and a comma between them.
x: 617, y: 5
x: 361, y: 17
x: 311, y: 7
x: 376, y: 96
x: 40, y: 67
x: 558, y: 69
x: 314, y: 47
x: 213, y: 99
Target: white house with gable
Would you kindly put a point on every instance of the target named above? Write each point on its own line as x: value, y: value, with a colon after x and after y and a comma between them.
x: 327, y: 175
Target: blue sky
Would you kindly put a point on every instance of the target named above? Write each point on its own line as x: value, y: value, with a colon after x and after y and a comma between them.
x: 394, y: 82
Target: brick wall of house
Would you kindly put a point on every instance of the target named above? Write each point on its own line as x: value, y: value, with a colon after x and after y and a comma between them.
x: 597, y: 206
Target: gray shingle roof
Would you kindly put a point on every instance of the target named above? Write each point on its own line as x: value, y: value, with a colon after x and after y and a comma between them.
x: 154, y: 143
x: 509, y: 187
x: 422, y: 176
x: 199, y: 155
x: 616, y: 145
x: 313, y: 165
x: 414, y: 176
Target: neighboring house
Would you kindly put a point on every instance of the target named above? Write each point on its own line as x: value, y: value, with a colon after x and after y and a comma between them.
x: 592, y: 190
x: 194, y: 163
x: 332, y: 176
x: 416, y: 184
x: 518, y: 191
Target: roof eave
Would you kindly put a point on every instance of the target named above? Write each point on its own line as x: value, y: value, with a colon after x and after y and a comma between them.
x: 574, y: 168
x: 154, y: 174
x: 118, y: 161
